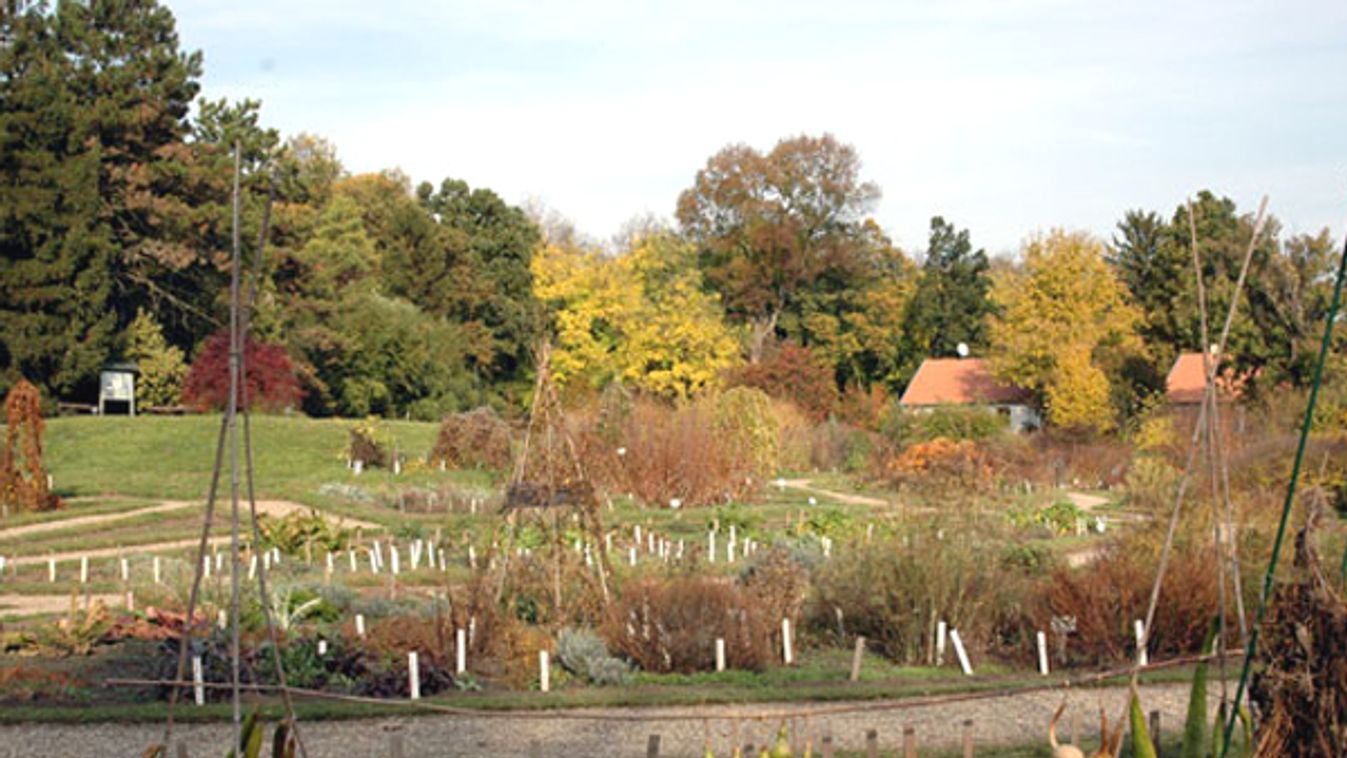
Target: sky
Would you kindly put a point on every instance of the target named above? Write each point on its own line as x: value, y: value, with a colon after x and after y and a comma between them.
x: 1007, y: 117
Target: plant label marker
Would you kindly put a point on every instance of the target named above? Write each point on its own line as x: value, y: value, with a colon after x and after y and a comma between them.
x: 84, y: 569
x: 413, y: 676
x: 940, y: 630
x: 959, y: 650
x: 637, y: 533
x: 430, y: 555
x: 51, y: 570
x: 544, y: 671
x: 631, y: 555
x: 322, y: 648
x: 2, y: 566
x: 205, y: 566
x: 330, y: 566
x: 360, y: 625
x: 350, y: 555
x: 373, y: 562
x: 156, y: 569
x: 198, y: 681
x: 608, y: 542
x: 266, y: 562
x: 252, y: 567
x: 1042, y: 653
x: 130, y: 600
x: 126, y: 569
x: 787, y: 654
x: 221, y: 619
x: 460, y: 651
x: 472, y: 557
x: 711, y: 550
x: 1140, y: 629
x: 276, y: 556
x: 443, y: 564
x: 720, y: 654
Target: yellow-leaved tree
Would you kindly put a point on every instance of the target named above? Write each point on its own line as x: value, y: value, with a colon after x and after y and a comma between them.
x: 641, y: 317
x: 1057, y: 316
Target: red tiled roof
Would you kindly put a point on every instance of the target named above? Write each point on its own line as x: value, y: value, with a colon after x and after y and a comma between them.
x: 1187, y: 380
x: 961, y: 381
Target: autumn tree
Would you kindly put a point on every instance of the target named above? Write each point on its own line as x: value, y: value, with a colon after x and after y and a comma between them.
x: 770, y: 227
x: 641, y: 318
x: 1057, y: 319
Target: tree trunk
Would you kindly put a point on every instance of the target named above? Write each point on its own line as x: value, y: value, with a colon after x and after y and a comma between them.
x: 760, y: 329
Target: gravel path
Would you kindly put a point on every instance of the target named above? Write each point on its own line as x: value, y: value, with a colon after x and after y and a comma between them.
x: 1015, y: 719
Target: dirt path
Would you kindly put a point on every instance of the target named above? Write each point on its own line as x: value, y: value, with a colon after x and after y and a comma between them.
x: 36, y: 605
x: 841, y: 497
x: 94, y: 520
x: 274, y: 508
x: 1013, y: 719
x: 1086, y: 502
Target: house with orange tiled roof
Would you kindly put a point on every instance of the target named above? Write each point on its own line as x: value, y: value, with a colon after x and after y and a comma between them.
x: 1187, y: 380
x: 968, y: 382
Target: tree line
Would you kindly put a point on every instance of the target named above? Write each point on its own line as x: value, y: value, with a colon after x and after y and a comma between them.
x: 389, y: 299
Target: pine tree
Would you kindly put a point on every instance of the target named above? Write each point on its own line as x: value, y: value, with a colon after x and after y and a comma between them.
x: 55, y: 324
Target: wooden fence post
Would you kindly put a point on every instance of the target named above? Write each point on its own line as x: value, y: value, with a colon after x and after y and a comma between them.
x: 872, y: 743
x: 856, y: 659
x: 395, y: 744
x: 968, y: 738
x: 909, y: 742
x: 827, y: 745
x: 1155, y: 730
x: 652, y: 746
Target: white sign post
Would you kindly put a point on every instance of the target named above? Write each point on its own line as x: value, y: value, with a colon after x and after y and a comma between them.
x: 544, y: 671
x: 720, y: 654
x: 460, y: 651
x: 1043, y: 654
x: 413, y: 676
x: 963, y: 654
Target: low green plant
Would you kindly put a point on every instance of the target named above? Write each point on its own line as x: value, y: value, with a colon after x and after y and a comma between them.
x: 584, y: 654
x: 294, y: 531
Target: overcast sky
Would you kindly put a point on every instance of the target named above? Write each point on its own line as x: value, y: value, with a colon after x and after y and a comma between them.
x: 1005, y: 116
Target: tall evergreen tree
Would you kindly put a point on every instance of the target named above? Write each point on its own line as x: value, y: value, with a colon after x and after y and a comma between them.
x: 97, y: 213
x: 950, y: 305
x: 55, y: 324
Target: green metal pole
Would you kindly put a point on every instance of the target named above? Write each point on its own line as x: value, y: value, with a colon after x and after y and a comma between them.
x: 1269, y: 577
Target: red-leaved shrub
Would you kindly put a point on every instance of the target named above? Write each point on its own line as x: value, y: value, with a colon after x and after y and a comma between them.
x: 792, y: 372
x: 269, y: 376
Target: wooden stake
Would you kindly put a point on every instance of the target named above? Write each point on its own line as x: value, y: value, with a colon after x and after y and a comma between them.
x: 909, y: 742
x: 652, y: 746
x: 968, y: 738
x: 856, y: 659
x: 872, y: 743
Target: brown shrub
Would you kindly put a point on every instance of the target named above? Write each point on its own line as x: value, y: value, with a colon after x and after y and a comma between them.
x: 672, y: 625
x: 1052, y: 461
x: 1110, y: 594
x: 895, y: 590
x: 475, y: 439
x: 23, y: 450
x: 661, y: 453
